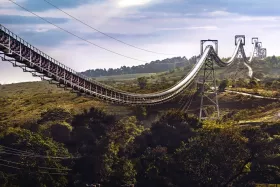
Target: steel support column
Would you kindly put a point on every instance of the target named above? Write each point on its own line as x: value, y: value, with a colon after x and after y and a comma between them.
x: 209, y: 98
x: 237, y: 69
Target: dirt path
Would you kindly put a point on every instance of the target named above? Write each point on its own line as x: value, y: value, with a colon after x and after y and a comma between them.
x: 252, y: 95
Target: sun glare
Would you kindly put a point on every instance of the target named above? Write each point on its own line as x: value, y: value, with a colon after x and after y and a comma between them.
x: 129, y: 3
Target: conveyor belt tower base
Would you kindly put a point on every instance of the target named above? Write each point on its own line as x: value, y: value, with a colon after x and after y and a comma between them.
x: 209, y: 92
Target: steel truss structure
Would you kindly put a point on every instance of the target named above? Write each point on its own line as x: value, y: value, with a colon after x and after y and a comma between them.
x: 258, y: 51
x: 209, y: 83
x: 21, y: 54
x: 209, y: 100
x: 263, y: 53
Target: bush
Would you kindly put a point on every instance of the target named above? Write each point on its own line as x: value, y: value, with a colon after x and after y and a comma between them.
x: 142, y: 82
x: 223, y: 85
x: 253, y: 84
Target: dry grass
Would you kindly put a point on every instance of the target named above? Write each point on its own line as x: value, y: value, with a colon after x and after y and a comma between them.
x: 24, y: 102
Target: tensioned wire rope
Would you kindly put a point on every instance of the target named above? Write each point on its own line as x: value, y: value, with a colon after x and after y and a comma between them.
x: 105, y: 34
x: 40, y: 167
x: 79, y: 37
x: 20, y: 168
x: 17, y: 152
x: 20, y: 153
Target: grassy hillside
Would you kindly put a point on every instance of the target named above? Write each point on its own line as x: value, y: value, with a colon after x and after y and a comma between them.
x: 261, y: 68
x: 121, y: 146
x: 152, y: 67
x: 23, y: 102
x: 123, y: 77
x: 117, y: 149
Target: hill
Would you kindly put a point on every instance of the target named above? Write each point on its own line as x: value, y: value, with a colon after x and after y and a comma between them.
x: 152, y: 67
x: 22, y: 103
x: 102, y: 142
x: 96, y: 146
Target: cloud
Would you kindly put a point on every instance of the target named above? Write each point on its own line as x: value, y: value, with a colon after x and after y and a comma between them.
x: 90, y: 57
x: 167, y: 27
x: 10, y: 74
x: 30, y: 28
x: 190, y: 28
x: 39, y: 6
x: 258, y: 18
x: 220, y: 13
x: 19, y: 20
x: 130, y: 3
x: 8, y: 4
x: 205, y: 27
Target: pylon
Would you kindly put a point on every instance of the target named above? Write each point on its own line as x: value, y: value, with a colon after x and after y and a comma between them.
x: 209, y: 80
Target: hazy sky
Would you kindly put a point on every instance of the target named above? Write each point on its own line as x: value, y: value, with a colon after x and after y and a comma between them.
x: 165, y: 26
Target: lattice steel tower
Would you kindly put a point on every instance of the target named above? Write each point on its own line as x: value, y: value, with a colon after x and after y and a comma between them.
x: 209, y: 95
x: 209, y: 90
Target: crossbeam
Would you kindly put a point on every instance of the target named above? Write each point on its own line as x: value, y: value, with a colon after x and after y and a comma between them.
x: 242, y: 37
x: 255, y: 40
x: 209, y: 40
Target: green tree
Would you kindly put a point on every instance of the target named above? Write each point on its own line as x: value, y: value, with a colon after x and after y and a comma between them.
x: 153, y: 150
x: 89, y: 138
x: 154, y: 167
x: 240, y: 83
x: 259, y: 75
x: 212, y: 158
x: 30, y: 169
x: 54, y: 123
x: 223, y: 85
x: 264, y: 151
x: 274, y: 60
x: 140, y: 112
x: 55, y: 114
x: 142, y: 82
x: 118, y: 165
x: 275, y: 84
x: 254, y: 85
x: 176, y: 152
x: 102, y: 141
x: 170, y: 130
x: 163, y: 79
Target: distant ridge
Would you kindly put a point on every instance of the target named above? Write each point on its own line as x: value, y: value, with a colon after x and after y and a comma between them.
x: 152, y: 67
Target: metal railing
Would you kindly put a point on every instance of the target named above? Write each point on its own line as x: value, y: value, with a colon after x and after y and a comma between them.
x: 84, y: 84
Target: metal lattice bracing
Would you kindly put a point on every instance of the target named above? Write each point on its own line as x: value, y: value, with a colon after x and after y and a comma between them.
x: 262, y: 53
x: 257, y: 52
x: 254, y: 42
x: 209, y: 95
x: 21, y: 54
x: 259, y: 46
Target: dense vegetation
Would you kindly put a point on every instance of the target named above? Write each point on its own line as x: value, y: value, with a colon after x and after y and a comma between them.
x: 49, y: 137
x: 178, y: 150
x: 152, y: 67
x: 273, y: 60
x: 172, y: 63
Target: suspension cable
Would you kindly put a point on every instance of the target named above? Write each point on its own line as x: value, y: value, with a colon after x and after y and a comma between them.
x: 79, y: 37
x: 105, y: 34
x: 17, y: 152
x: 18, y: 168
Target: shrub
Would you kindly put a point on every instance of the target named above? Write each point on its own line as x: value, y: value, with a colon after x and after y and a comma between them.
x: 223, y: 85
